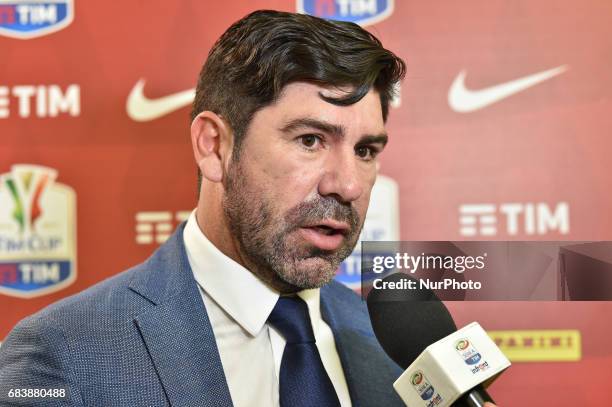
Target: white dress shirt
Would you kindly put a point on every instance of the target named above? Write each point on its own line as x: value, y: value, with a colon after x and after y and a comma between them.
x: 238, y: 306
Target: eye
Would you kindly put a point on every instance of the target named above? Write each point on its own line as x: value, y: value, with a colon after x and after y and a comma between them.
x: 366, y: 152
x: 309, y: 140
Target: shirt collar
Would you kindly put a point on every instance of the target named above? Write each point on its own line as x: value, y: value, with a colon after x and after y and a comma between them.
x: 311, y: 297
x: 237, y: 291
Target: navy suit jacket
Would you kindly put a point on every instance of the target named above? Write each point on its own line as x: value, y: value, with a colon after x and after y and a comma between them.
x: 143, y: 338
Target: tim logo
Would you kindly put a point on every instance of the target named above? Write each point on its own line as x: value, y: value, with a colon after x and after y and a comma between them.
x: 40, y: 101
x: 362, y: 12
x: 532, y: 218
x: 37, y: 232
x: 25, y: 19
x: 156, y: 227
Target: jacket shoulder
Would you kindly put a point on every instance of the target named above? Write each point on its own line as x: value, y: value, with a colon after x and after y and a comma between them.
x: 110, y: 296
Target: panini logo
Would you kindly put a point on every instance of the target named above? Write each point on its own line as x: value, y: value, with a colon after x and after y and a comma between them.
x: 37, y: 232
x: 553, y: 345
x: 25, y: 19
x: 362, y: 12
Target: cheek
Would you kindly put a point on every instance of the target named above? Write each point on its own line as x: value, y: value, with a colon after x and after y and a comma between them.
x: 293, y: 189
x: 290, y: 180
x: 362, y: 205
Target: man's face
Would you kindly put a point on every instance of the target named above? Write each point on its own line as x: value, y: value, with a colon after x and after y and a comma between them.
x: 297, y: 194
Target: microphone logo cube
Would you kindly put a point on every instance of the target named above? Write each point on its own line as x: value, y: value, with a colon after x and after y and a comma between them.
x: 451, y: 367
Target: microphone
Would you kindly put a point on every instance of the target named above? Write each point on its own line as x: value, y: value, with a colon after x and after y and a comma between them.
x: 443, y: 366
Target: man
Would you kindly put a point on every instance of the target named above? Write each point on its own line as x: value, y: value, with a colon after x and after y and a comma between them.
x: 239, y: 307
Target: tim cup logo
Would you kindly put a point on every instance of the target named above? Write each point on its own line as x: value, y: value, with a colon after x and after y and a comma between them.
x: 37, y: 232
x: 26, y: 185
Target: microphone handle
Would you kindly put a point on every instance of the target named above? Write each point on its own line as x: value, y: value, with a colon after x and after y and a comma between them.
x: 476, y: 397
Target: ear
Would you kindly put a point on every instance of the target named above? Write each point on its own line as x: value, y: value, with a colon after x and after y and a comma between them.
x: 211, y: 141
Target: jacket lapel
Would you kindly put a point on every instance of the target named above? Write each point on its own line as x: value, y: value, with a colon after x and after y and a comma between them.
x: 176, y: 330
x: 369, y: 372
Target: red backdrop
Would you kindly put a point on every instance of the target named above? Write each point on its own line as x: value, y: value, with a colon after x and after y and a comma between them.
x: 543, y: 146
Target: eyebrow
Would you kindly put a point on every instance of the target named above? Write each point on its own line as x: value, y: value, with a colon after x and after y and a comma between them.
x: 381, y: 138
x: 330, y: 128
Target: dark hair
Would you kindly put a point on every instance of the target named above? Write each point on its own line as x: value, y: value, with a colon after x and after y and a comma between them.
x: 258, y: 55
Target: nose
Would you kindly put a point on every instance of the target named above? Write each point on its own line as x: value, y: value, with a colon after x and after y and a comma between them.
x: 342, y: 177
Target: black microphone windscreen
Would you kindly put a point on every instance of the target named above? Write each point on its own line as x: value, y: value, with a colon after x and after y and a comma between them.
x: 406, y: 321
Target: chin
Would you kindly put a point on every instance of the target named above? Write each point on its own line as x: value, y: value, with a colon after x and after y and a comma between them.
x: 313, y: 272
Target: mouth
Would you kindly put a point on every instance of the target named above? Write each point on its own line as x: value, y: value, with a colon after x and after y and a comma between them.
x: 326, y: 235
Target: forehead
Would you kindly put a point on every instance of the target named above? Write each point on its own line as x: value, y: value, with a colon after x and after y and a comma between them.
x: 303, y: 100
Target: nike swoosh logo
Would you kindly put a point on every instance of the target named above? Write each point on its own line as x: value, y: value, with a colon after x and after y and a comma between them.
x: 142, y: 109
x: 463, y: 100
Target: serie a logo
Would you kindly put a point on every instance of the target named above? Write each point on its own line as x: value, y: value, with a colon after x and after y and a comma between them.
x: 423, y: 386
x: 471, y: 356
x: 37, y: 232
x: 362, y: 12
